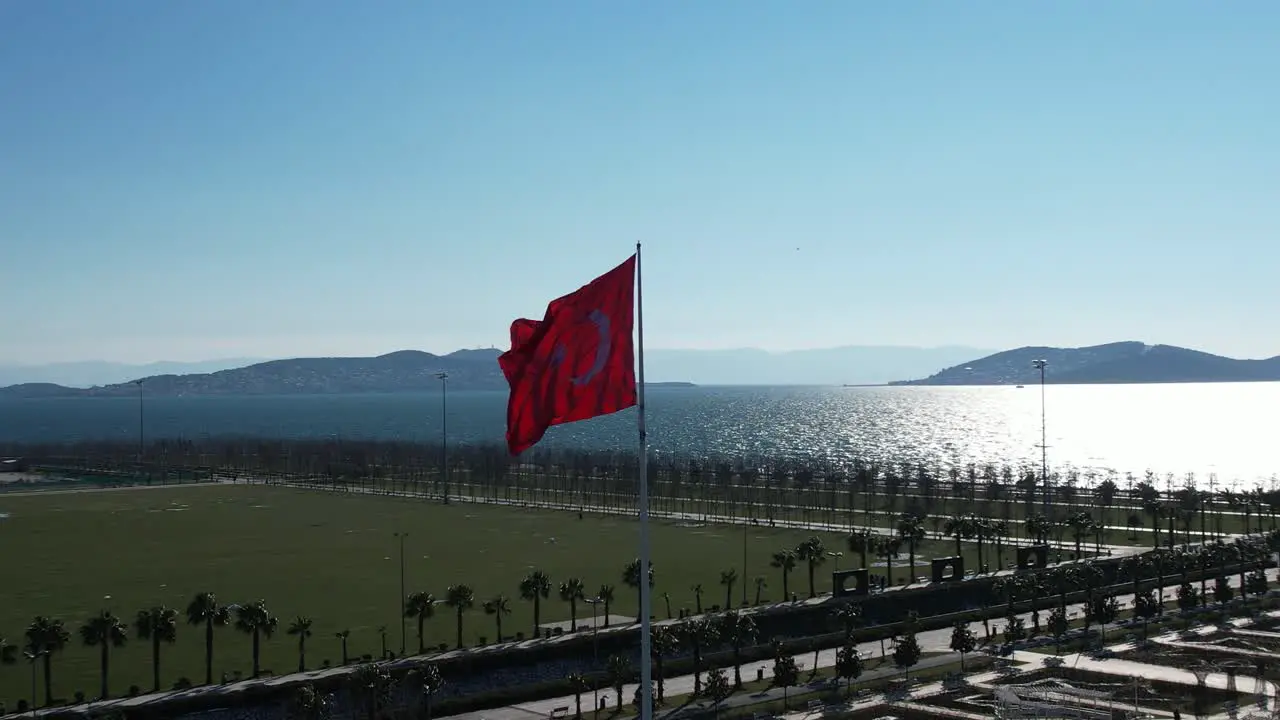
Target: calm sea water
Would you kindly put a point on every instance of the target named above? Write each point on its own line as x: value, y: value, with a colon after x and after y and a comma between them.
x: 1227, y: 429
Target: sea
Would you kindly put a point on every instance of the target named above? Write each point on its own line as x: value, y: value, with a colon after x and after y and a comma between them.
x: 1224, y: 432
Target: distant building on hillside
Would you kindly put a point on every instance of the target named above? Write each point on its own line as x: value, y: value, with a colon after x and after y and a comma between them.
x: 12, y: 465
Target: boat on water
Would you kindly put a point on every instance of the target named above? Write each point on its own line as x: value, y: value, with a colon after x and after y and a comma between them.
x: 1019, y: 387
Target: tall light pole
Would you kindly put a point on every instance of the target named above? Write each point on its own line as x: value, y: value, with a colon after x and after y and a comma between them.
x: 141, y: 416
x: 595, y: 655
x: 32, y: 655
x: 443, y: 377
x: 1044, y: 441
x: 836, y: 556
x: 400, y: 605
x: 745, y: 528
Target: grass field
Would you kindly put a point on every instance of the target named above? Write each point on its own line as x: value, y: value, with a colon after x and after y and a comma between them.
x: 333, y: 558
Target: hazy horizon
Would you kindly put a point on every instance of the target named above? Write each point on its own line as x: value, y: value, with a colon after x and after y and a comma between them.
x: 849, y: 364
x: 178, y: 359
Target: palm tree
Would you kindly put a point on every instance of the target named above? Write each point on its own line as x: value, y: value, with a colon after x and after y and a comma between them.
x: 461, y: 598
x: 301, y: 627
x: 370, y: 688
x: 910, y: 530
x: 631, y: 577
x: 958, y: 527
x: 1038, y: 528
x: 256, y: 621
x: 579, y: 685
x: 662, y: 642
x: 420, y: 606
x: 309, y: 705
x: 571, y: 591
x: 342, y: 636
x: 1081, y: 525
x: 728, y: 578
x: 814, y: 553
x: 697, y: 598
x: 104, y: 631
x: 159, y: 624
x: 889, y: 550
x: 739, y: 629
x: 1137, y: 567
x: 605, y: 593
x: 784, y: 560
x: 498, y: 606
x: 8, y: 652
x: 1011, y: 587
x: 432, y: 683
x: 864, y: 542
x: 761, y: 584
x: 698, y: 633
x: 848, y: 615
x: 535, y: 588
x: 618, y: 670
x: 48, y: 636
x: 999, y: 531
x: 205, y: 610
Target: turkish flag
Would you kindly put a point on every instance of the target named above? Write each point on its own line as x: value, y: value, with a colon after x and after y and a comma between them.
x: 576, y: 363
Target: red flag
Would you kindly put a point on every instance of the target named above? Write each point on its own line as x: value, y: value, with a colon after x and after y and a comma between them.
x: 577, y: 363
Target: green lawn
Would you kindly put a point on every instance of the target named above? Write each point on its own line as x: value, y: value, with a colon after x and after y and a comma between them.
x: 332, y: 557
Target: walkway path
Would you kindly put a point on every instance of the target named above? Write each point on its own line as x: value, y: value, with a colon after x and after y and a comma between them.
x: 930, y: 641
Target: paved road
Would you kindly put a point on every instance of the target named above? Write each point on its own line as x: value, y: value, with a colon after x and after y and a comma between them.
x: 930, y: 641
x: 1114, y: 550
x: 111, y: 488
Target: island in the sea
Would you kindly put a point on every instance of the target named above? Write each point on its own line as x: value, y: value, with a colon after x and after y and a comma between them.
x: 403, y: 371
x: 1120, y: 362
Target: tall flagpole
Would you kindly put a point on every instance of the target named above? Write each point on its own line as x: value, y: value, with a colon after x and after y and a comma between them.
x: 646, y: 664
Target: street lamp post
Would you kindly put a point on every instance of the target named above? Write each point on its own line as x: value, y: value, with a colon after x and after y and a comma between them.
x: 400, y: 605
x: 443, y: 377
x: 1044, y: 442
x: 745, y: 528
x: 32, y: 655
x: 141, y: 428
x: 595, y: 655
x: 836, y: 557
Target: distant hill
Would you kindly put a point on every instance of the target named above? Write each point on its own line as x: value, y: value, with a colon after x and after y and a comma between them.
x: 90, y: 373
x: 849, y: 365
x: 402, y: 371
x: 1121, y: 362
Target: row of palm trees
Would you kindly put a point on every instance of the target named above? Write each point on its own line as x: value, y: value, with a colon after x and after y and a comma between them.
x: 746, y: 486
x: 46, y: 637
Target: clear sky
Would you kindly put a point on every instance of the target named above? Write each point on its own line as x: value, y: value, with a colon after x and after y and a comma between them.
x: 193, y: 180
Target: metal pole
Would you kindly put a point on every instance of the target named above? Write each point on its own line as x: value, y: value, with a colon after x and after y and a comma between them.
x: 595, y: 653
x: 646, y: 662
x: 141, y: 427
x: 743, y: 579
x: 400, y: 605
x: 1044, y: 437
x: 444, y: 432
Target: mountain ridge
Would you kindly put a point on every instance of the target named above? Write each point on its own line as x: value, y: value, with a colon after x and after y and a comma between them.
x: 394, y: 372
x: 1129, y: 361
x: 850, y: 364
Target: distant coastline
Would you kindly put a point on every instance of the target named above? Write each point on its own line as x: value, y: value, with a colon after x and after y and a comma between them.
x: 1128, y: 362
x: 405, y: 371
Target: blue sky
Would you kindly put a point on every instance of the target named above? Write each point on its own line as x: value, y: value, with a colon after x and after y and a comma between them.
x: 237, y: 178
